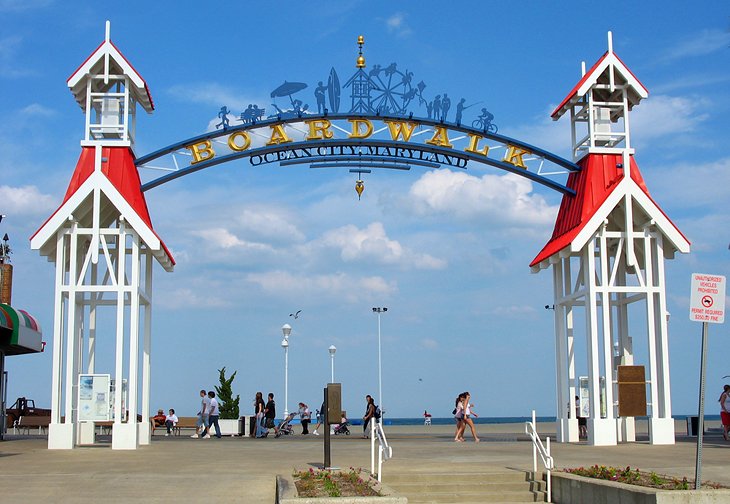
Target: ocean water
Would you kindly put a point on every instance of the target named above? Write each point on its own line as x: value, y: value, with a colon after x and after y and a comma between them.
x: 489, y: 420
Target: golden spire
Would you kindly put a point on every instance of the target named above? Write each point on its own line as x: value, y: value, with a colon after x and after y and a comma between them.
x: 360, y: 59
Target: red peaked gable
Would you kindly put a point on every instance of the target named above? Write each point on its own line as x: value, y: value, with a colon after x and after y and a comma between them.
x: 593, y: 184
x: 118, y: 166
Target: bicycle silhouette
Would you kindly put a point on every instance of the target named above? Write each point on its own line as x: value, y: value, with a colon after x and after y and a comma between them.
x: 484, y: 124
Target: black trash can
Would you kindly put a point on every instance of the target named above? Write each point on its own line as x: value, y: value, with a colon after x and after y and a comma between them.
x: 693, y: 425
x: 252, y: 426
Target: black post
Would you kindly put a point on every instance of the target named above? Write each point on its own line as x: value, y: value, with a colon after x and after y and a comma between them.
x: 701, y: 412
x: 327, y: 459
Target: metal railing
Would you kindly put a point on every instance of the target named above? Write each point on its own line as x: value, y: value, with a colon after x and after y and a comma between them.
x: 542, y: 450
x: 385, y: 451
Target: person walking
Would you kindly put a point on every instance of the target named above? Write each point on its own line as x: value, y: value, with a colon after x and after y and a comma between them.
x: 259, y: 407
x: 305, y: 416
x: 320, y: 419
x: 725, y: 411
x: 369, y: 413
x: 214, y: 415
x: 468, y: 413
x: 459, y: 418
x: 202, y: 422
x: 270, y: 414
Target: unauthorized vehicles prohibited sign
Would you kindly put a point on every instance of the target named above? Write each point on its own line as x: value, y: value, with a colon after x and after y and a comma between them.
x: 707, y: 302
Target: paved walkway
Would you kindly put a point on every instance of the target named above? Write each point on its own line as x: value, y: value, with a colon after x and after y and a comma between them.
x: 183, y: 470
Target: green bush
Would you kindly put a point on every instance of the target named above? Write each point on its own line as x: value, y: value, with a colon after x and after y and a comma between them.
x: 227, y: 404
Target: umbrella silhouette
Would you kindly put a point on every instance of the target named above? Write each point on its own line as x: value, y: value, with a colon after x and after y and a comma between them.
x: 288, y: 89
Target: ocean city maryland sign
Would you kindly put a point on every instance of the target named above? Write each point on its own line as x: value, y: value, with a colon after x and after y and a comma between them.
x: 380, y: 130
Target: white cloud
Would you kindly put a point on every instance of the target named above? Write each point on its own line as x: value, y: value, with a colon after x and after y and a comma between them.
x: 36, y: 109
x: 25, y: 200
x: 663, y: 115
x: 215, y: 95
x: 506, y: 198
x: 543, y: 132
x: 269, y: 224
x: 8, y: 48
x: 338, y: 286
x: 705, y: 42
x: 22, y: 5
x: 222, y: 238
x: 396, y: 24
x: 372, y: 243
x: 183, y: 297
x: 429, y: 343
x: 691, y: 185
x: 514, y: 311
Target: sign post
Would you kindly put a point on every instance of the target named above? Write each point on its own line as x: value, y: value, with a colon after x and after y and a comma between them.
x: 707, y: 305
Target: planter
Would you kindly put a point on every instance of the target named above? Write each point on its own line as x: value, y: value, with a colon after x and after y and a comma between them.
x: 228, y: 427
x: 286, y: 493
x: 571, y: 489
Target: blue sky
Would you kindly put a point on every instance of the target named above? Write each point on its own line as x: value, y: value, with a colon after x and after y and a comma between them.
x: 446, y: 252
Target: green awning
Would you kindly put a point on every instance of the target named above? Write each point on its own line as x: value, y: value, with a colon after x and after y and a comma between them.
x: 20, y: 333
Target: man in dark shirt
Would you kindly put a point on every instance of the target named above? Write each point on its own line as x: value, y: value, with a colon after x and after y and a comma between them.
x: 270, y: 414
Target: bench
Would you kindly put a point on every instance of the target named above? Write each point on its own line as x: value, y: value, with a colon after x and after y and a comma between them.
x: 26, y: 423
x: 182, y: 423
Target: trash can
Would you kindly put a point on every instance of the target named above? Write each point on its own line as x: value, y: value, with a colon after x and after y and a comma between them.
x: 693, y: 425
x: 252, y: 426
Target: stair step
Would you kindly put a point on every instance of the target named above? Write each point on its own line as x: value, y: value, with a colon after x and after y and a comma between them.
x: 501, y: 497
x: 499, y: 477
x: 442, y: 487
x: 506, y: 486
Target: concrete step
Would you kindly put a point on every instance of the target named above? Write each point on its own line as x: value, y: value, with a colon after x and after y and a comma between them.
x: 499, y: 477
x: 474, y: 497
x: 506, y: 486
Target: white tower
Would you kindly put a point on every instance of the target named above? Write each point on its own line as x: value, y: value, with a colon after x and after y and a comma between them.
x: 102, y: 243
x: 607, y: 253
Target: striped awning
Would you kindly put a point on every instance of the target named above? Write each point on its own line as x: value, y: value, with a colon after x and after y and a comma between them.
x: 20, y: 332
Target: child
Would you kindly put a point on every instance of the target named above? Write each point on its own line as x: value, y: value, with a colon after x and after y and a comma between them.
x: 170, y: 421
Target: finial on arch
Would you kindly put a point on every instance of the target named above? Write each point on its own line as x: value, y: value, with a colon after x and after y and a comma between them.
x: 108, y: 31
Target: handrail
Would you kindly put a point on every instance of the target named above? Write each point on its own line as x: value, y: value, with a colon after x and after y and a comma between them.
x: 385, y: 451
x: 538, y: 448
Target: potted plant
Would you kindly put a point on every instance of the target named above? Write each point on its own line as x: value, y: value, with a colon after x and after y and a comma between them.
x: 227, y: 404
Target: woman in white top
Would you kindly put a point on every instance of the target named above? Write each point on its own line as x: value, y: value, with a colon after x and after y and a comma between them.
x: 468, y: 413
x: 459, y: 418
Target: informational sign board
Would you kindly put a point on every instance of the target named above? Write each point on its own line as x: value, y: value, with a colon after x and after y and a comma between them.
x: 94, y: 397
x: 707, y: 300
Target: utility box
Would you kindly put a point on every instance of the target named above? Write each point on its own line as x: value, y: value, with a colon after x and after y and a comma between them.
x: 334, y: 403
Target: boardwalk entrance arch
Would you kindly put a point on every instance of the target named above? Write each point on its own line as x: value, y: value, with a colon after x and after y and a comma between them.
x: 607, y: 250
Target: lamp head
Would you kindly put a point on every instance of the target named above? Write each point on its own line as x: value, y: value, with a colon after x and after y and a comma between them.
x: 286, y: 329
x: 332, y: 349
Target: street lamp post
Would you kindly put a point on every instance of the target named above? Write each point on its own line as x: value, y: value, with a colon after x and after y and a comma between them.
x: 286, y: 329
x: 332, y: 350
x: 380, y: 310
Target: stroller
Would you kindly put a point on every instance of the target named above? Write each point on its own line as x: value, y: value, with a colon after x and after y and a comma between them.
x: 285, y: 428
x: 341, y: 428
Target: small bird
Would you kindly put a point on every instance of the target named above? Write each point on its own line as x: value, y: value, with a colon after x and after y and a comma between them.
x: 295, y: 315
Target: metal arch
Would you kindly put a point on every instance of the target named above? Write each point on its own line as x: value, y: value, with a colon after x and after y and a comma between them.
x: 359, y: 143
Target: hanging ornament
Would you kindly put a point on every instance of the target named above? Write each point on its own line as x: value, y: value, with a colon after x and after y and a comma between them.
x: 359, y: 188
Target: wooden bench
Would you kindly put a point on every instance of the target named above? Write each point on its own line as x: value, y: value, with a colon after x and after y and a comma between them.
x: 26, y: 423
x: 182, y: 423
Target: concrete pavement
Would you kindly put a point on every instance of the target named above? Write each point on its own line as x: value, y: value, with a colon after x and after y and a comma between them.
x: 181, y: 469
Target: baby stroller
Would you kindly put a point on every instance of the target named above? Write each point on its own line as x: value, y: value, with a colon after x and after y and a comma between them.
x: 341, y: 428
x: 285, y: 428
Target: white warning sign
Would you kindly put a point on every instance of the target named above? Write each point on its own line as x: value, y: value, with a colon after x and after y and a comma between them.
x: 707, y: 301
